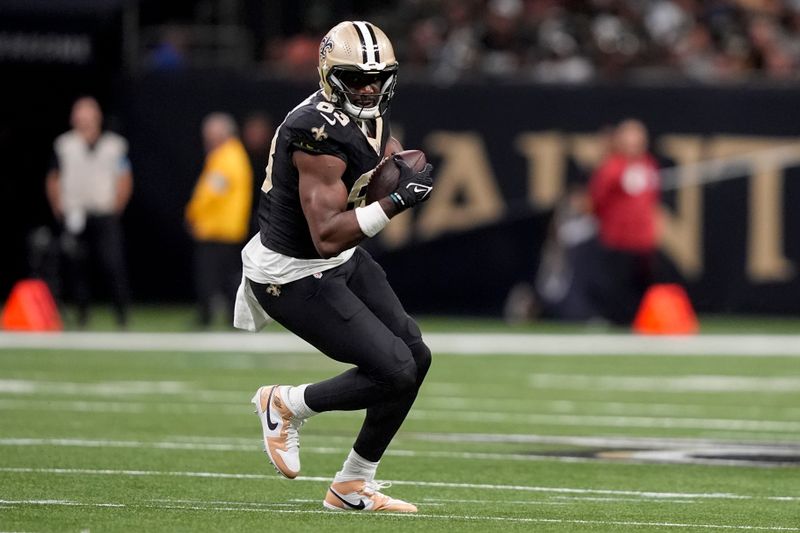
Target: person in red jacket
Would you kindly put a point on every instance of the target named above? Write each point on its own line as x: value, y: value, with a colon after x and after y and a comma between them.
x: 625, y: 194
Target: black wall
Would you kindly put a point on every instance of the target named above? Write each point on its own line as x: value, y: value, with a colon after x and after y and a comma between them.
x: 465, y: 271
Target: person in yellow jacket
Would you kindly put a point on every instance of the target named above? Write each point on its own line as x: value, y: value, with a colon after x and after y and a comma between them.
x: 218, y: 215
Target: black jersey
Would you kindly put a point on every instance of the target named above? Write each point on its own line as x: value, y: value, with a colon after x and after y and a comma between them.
x: 317, y: 127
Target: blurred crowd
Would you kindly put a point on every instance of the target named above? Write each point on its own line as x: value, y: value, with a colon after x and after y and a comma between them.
x: 573, y: 41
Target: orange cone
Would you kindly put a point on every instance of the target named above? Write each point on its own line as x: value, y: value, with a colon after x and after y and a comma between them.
x: 665, y: 310
x: 31, y: 307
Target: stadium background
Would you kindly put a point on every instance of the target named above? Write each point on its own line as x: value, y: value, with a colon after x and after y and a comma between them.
x: 539, y: 426
x: 523, y: 137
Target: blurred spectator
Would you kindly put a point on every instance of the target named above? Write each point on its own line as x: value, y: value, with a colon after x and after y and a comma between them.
x: 569, y: 260
x: 295, y: 57
x: 257, y: 138
x: 501, y: 40
x: 574, y: 41
x: 88, y: 187
x: 695, y: 55
x: 170, y: 51
x: 567, y: 276
x: 556, y: 57
x: 625, y: 195
x: 459, y: 48
x: 218, y: 214
x: 564, y: 284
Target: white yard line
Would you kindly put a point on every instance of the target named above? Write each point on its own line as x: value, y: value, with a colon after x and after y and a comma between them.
x: 67, y: 503
x: 613, y: 500
x: 414, y: 483
x: 184, y: 398
x: 674, y: 384
x: 158, y: 445
x: 102, y: 406
x: 453, y: 343
x: 230, y: 503
x: 541, y: 502
x: 609, y: 421
x: 640, y: 407
x: 108, y: 388
x: 686, y: 453
x: 407, y: 516
x: 74, y: 406
x: 255, y: 444
x: 595, y: 441
x: 536, y: 419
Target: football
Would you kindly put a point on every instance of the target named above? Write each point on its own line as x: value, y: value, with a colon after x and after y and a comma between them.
x: 384, y: 179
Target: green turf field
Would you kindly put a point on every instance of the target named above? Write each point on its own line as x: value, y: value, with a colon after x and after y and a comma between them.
x: 115, y: 440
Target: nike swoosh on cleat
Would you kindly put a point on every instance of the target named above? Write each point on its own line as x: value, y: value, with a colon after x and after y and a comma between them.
x: 269, y: 403
x: 359, y: 507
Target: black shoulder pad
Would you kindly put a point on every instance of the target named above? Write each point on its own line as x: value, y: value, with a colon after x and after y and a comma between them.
x: 320, y: 129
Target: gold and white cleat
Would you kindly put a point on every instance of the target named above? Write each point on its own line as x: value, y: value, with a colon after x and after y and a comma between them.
x: 360, y: 495
x: 281, y: 438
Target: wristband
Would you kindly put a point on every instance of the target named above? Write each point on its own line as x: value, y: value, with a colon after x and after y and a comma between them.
x: 371, y: 219
x: 397, y: 200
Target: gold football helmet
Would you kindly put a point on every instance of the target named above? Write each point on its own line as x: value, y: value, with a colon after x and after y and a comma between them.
x: 352, y: 55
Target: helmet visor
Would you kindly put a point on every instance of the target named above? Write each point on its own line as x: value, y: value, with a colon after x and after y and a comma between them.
x: 364, y: 93
x: 358, y: 79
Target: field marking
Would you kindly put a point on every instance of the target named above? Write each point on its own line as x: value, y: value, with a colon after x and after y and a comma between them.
x: 102, y: 443
x: 191, y: 398
x: 434, y: 401
x: 413, y: 516
x: 224, y: 502
x: 517, y: 438
x: 683, y: 454
x: 104, y: 406
x: 72, y: 406
x: 451, y: 343
x: 537, y: 419
x: 122, y: 388
x: 428, y: 501
x: 107, y: 388
x: 68, y: 503
x: 256, y: 444
x: 230, y: 402
x: 439, y: 484
x: 675, y: 384
x: 609, y: 421
x: 541, y: 502
x: 608, y: 499
x: 594, y: 441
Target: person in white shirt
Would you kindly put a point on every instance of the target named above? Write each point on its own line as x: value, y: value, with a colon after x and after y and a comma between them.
x: 88, y: 187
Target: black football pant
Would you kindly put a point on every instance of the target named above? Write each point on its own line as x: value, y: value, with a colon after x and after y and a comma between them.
x: 101, y: 244
x: 622, y: 280
x: 352, y: 315
x: 217, y: 273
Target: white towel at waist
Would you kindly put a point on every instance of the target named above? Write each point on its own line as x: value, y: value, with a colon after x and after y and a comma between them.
x: 247, y: 312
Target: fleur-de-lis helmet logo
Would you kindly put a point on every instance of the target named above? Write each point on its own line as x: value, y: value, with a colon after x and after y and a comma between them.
x: 324, y: 47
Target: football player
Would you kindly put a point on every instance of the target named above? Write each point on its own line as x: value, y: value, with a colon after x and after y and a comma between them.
x: 305, y: 269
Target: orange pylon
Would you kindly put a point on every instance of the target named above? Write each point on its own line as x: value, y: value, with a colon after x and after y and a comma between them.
x: 30, y: 307
x: 665, y: 310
